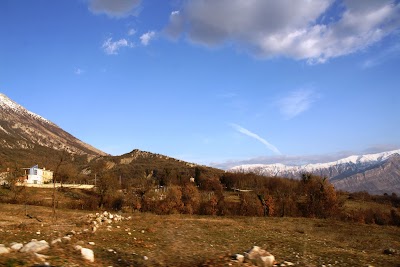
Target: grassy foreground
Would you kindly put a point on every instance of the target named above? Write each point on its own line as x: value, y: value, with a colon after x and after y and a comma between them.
x: 182, y: 240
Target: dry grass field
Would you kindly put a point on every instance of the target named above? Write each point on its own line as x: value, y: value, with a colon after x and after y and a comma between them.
x: 183, y: 240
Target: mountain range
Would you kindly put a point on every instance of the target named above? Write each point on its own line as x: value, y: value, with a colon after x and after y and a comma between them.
x: 375, y: 173
x: 27, y: 139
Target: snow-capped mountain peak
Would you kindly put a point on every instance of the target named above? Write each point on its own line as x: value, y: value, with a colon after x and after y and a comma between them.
x: 23, y: 129
x: 375, y: 173
x: 293, y: 171
x: 7, y: 104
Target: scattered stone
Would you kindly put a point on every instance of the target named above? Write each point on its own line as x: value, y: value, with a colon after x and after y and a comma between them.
x: 35, y: 246
x: 257, y: 257
x: 87, y: 254
x: 288, y: 263
x: 4, y: 249
x: 16, y: 246
x: 56, y: 241
x: 41, y: 257
x: 66, y: 239
x: 239, y: 258
x: 145, y: 258
x: 389, y: 251
x: 78, y: 247
x: 71, y: 233
x: 91, y: 243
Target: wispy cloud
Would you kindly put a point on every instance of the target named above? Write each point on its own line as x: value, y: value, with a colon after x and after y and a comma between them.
x: 296, y: 102
x: 131, y: 32
x: 79, y: 71
x: 244, y: 131
x: 147, y: 37
x: 383, y: 56
x: 114, y: 8
x: 111, y: 47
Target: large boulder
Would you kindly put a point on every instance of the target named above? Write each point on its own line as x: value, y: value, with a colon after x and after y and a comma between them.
x: 87, y: 254
x: 260, y: 257
x: 4, y: 249
x: 35, y: 246
x: 16, y: 246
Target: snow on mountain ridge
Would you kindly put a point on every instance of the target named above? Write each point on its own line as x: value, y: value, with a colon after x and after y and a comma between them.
x: 7, y: 103
x: 278, y: 168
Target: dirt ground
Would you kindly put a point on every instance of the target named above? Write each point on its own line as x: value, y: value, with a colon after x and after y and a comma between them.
x: 183, y: 240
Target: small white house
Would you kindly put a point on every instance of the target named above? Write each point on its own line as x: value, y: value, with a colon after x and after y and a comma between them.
x: 35, y: 175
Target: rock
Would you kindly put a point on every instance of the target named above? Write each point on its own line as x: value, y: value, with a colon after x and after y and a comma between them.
x: 260, y: 257
x: 35, y: 246
x: 78, y: 247
x: 4, y: 249
x: 91, y: 243
x: 66, y: 239
x: 16, y: 246
x: 288, y: 263
x: 41, y: 257
x: 56, y: 241
x: 87, y: 254
x: 389, y: 251
x: 239, y: 258
x: 145, y: 258
x: 267, y: 261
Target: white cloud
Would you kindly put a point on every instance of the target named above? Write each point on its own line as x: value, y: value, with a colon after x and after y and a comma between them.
x: 287, y: 28
x: 244, y: 131
x: 78, y: 71
x: 131, y: 32
x: 111, y: 48
x: 147, y: 37
x: 296, y: 102
x: 114, y: 8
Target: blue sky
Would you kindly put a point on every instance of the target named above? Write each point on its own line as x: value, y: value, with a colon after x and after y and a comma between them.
x: 210, y: 81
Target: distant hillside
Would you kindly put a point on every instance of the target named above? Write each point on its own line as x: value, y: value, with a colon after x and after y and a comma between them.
x: 27, y: 138
x: 375, y: 173
x: 141, y: 164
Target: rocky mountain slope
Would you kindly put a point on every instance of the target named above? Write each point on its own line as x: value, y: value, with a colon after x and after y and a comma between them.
x: 376, y: 173
x: 27, y: 139
x: 22, y: 129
